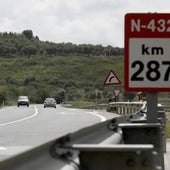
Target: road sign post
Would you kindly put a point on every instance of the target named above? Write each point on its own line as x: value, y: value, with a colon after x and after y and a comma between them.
x: 147, y: 52
x: 152, y: 111
x: 147, y: 61
x: 112, y: 79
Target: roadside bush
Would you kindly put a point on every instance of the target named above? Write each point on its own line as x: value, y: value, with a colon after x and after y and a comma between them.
x: 168, y: 129
x: 3, y: 94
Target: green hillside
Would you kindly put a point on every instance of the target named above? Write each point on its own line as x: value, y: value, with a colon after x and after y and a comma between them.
x: 73, y: 78
x: 66, y: 71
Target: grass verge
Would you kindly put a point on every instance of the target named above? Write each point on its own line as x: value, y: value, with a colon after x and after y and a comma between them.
x: 80, y: 104
x: 168, y: 129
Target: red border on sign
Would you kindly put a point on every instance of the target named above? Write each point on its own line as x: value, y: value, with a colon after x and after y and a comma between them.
x: 143, y: 33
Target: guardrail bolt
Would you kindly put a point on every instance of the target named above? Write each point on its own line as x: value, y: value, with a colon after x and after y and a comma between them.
x: 130, y: 162
x: 146, y: 163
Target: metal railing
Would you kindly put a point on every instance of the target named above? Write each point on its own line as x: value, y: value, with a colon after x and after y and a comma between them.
x: 126, y: 108
x: 45, y: 157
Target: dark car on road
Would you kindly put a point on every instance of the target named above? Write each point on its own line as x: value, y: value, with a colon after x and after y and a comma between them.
x: 49, y: 102
x: 23, y: 100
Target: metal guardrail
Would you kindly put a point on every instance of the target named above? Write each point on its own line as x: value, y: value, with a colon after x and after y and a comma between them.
x: 44, y: 157
x: 122, y: 108
x: 126, y: 108
x: 126, y: 142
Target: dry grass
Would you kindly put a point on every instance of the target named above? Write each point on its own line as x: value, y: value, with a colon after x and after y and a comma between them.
x: 168, y: 129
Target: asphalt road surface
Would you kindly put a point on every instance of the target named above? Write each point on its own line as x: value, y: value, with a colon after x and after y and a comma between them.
x: 22, y: 128
x: 26, y: 127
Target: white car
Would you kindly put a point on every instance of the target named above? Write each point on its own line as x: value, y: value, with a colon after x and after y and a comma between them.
x: 23, y: 100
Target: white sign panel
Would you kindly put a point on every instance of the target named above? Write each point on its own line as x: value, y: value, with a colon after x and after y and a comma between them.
x: 149, y: 62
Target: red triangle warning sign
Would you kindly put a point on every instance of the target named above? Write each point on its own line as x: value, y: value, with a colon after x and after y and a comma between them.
x: 111, y: 79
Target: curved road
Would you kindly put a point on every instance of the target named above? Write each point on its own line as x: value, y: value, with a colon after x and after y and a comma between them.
x: 24, y: 127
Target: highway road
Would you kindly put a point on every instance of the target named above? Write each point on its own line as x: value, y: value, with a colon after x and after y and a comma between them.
x: 22, y: 128
x: 26, y: 127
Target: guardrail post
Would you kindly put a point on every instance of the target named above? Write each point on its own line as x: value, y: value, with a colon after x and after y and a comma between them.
x: 119, y: 157
x: 152, y: 107
x: 145, y: 133
x: 124, y: 109
x: 162, y: 121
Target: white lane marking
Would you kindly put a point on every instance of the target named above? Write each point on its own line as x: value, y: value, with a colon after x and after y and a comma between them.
x: 101, y: 117
x: 66, y: 113
x: 93, y: 113
x: 2, y: 148
x: 12, y: 150
x: 20, y: 120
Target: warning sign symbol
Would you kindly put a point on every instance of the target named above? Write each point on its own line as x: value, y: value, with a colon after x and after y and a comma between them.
x: 111, y: 79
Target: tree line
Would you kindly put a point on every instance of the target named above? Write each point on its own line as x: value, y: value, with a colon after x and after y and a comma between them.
x: 25, y: 44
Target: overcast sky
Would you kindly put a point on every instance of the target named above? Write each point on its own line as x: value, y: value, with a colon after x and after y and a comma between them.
x: 76, y: 21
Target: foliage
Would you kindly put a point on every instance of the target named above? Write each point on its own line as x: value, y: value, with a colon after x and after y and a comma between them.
x: 26, y: 44
x: 80, y: 104
x: 168, y: 129
x: 64, y: 71
x: 72, y: 79
x: 28, y: 34
x: 129, y: 96
x: 3, y: 94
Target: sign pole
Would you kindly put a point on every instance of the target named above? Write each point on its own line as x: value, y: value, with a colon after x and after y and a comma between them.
x: 152, y: 109
x: 147, y: 67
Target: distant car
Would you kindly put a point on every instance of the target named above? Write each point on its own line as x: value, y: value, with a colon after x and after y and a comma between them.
x: 23, y: 100
x: 49, y: 102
